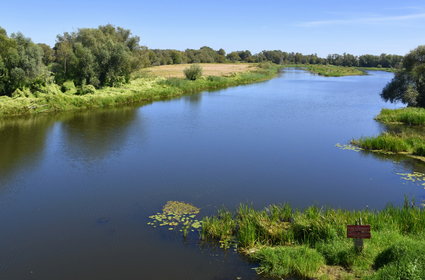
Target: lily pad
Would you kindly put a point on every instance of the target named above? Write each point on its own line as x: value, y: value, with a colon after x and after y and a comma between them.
x: 177, y: 215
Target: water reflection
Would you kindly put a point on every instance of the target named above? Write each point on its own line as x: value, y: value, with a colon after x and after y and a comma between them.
x: 23, y: 142
x: 95, y: 135
x: 194, y: 99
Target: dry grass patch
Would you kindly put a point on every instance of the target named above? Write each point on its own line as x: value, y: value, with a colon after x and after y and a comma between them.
x: 208, y: 69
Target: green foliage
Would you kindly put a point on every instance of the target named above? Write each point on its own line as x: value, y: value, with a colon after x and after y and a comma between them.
x: 322, y: 231
x: 300, y: 262
x: 48, y: 54
x: 338, y: 252
x: 385, y: 141
x: 145, y: 89
x: 334, y: 71
x: 86, y: 89
x: 403, y: 260
x: 408, y: 85
x: 103, y: 56
x: 193, y: 72
x: 409, y: 116
x: 21, y: 63
x: 68, y: 87
x: 410, y: 142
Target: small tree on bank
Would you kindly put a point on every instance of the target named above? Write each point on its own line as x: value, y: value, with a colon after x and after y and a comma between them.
x: 193, y: 72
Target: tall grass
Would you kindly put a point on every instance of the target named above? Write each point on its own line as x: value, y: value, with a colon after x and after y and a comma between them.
x: 394, y: 143
x: 140, y: 90
x: 289, y: 231
x: 409, y: 116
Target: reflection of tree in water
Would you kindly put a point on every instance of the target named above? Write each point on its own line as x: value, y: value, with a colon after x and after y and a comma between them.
x: 193, y: 99
x: 22, y: 142
x: 94, y: 135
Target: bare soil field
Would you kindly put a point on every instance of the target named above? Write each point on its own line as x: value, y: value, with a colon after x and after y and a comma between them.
x: 208, y: 69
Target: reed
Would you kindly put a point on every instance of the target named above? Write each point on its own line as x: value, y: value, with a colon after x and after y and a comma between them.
x: 276, y: 236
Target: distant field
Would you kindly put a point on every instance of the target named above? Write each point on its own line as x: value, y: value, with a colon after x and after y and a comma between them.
x: 209, y: 69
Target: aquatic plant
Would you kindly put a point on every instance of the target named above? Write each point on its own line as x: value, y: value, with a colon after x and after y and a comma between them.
x: 177, y: 215
x: 348, y: 147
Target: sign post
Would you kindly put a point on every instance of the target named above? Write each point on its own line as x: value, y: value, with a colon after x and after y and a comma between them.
x: 358, y: 233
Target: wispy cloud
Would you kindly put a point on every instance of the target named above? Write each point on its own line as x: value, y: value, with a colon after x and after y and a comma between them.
x: 361, y: 20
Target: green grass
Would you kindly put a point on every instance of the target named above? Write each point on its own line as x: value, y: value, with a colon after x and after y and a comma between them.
x: 299, y: 262
x: 408, y: 116
x: 407, y: 137
x: 142, y: 89
x: 338, y: 71
x: 392, y: 70
x: 289, y: 242
x: 330, y: 70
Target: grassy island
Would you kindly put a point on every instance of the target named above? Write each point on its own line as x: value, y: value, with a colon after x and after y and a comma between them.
x: 312, y: 244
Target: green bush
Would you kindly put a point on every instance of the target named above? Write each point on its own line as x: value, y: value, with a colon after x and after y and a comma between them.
x: 86, y: 89
x: 68, y: 87
x: 193, y: 72
x: 404, y: 260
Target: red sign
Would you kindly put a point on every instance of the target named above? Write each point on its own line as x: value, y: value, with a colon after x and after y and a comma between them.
x: 358, y: 231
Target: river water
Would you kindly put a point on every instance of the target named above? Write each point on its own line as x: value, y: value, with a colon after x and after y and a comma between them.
x: 76, y: 189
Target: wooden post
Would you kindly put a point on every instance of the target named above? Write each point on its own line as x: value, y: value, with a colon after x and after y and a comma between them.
x: 358, y: 245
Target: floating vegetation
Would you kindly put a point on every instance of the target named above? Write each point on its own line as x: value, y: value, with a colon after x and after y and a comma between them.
x: 177, y: 215
x: 348, y: 147
x: 415, y: 177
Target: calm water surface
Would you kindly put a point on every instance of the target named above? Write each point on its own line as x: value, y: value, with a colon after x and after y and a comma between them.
x: 76, y: 189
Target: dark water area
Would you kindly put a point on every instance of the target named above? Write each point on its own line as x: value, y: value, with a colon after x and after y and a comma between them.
x: 76, y: 189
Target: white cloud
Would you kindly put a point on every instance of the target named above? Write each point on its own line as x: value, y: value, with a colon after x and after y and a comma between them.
x: 362, y: 20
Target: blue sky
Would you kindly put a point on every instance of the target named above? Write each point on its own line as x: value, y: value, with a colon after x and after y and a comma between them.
x: 321, y: 27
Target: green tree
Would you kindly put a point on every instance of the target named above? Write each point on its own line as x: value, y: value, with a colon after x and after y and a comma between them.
x: 408, y: 85
x: 21, y: 63
x: 103, y: 56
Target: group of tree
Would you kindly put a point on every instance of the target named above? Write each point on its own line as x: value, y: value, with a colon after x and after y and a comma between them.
x: 107, y: 55
x: 208, y: 55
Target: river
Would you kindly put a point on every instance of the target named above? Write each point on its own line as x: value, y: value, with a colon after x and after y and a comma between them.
x: 76, y: 189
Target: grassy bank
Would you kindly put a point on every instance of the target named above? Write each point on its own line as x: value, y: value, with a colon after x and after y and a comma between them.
x: 143, y: 88
x: 334, y: 71
x: 312, y: 243
x: 338, y: 71
x: 391, y: 70
x: 403, y: 140
x: 408, y: 116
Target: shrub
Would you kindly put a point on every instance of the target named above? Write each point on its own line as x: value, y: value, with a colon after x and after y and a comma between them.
x: 193, y: 72
x: 403, y: 260
x: 86, y: 89
x: 68, y: 87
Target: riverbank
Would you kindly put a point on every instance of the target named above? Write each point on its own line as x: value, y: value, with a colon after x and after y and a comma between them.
x: 144, y: 88
x: 406, y: 134
x: 338, y: 71
x: 312, y: 243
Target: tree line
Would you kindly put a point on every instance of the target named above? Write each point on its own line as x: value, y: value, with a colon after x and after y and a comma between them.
x: 107, y: 55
